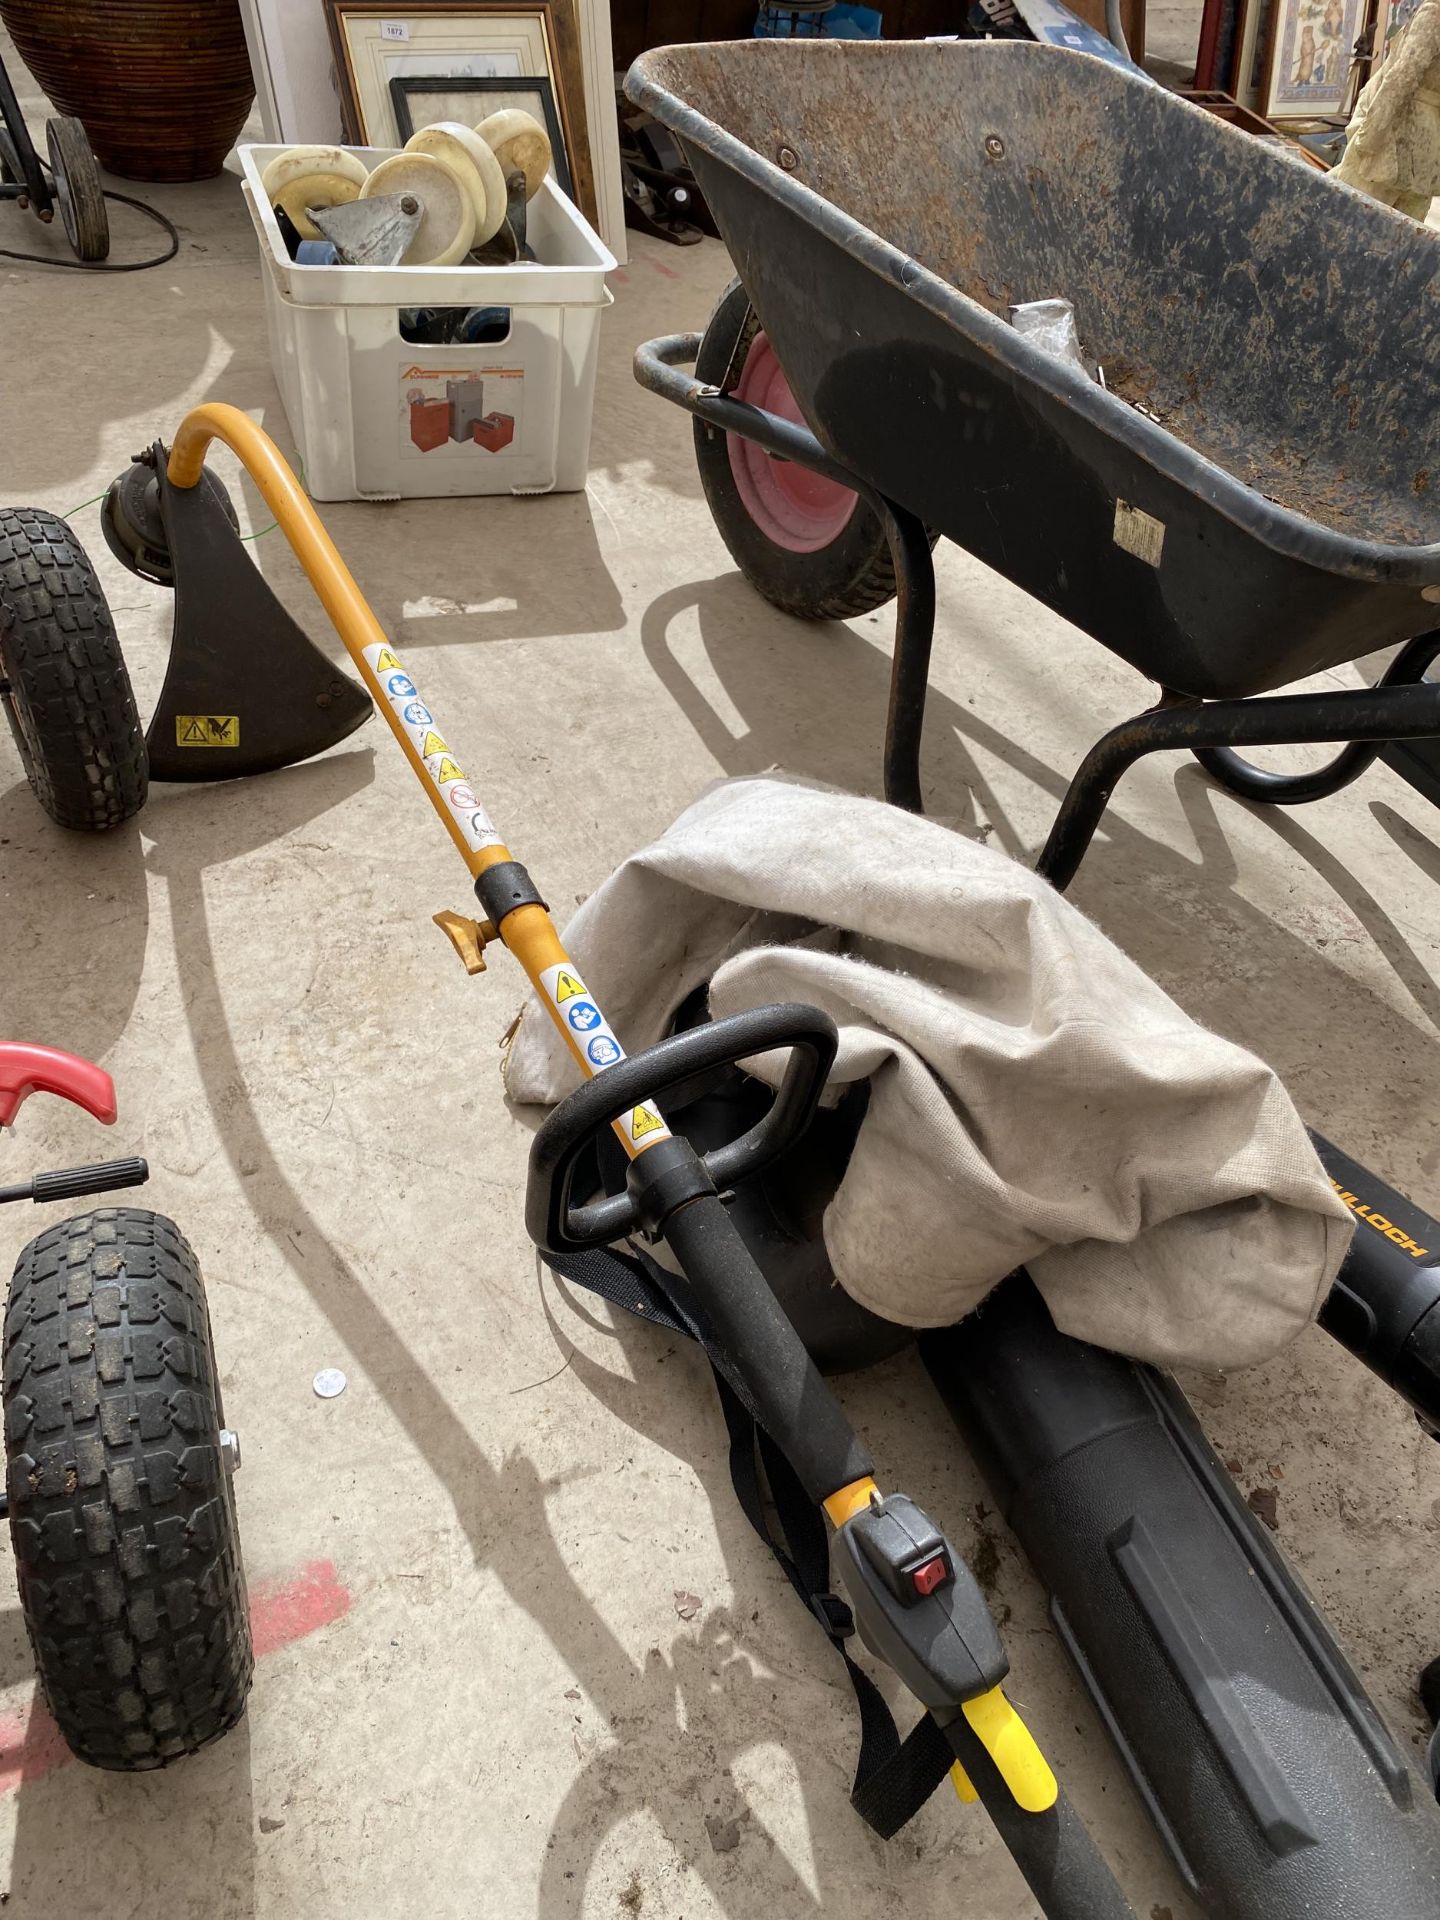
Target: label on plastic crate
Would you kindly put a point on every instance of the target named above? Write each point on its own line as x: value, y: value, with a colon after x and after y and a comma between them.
x: 461, y: 413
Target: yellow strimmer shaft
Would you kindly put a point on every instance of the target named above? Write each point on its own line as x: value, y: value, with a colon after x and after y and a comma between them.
x: 527, y: 930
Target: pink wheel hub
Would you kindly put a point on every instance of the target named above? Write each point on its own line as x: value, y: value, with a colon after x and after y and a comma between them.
x: 797, y: 509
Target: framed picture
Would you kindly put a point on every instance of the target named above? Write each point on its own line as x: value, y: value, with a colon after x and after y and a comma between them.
x: 1391, y: 20
x: 1307, y: 72
x: 419, y: 100
x: 377, y: 41
x: 1251, y: 48
x: 1215, y: 55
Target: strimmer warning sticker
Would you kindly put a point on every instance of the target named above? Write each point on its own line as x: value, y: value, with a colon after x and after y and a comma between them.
x: 442, y: 773
x: 592, y: 1037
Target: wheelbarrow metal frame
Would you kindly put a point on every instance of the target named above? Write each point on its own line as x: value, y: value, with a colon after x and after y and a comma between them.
x: 1401, y: 707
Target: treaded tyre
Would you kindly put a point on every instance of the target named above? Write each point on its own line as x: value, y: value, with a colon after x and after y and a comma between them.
x: 78, y: 188
x: 63, y: 682
x: 122, y: 1513
x: 811, y: 547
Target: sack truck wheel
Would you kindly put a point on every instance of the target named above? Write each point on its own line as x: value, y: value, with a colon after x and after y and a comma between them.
x: 122, y: 1511
x: 78, y: 188
x: 810, y: 546
x: 63, y: 682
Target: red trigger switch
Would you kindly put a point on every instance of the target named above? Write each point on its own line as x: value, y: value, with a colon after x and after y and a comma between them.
x: 933, y: 1574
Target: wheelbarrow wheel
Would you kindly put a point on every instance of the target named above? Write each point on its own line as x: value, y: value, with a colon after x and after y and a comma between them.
x: 122, y: 1510
x: 78, y: 189
x: 63, y: 682
x: 809, y: 545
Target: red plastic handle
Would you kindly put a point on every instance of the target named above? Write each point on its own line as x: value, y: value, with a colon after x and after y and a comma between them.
x: 25, y: 1070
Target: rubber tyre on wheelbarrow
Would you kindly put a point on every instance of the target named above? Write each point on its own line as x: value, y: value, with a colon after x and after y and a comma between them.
x: 63, y: 682
x: 808, y: 545
x: 122, y: 1511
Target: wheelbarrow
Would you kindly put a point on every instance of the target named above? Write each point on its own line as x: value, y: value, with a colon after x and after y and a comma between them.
x: 1248, y: 497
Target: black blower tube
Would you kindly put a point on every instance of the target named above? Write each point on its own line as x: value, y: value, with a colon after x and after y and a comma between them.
x: 1385, y: 1305
x: 1261, y: 1760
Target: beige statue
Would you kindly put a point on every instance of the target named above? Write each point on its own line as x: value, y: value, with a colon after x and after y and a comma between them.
x: 1393, y: 152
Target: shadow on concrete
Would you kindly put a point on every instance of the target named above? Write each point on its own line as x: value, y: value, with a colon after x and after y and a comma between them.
x: 659, y: 1711
x: 187, y: 1833
x: 75, y: 912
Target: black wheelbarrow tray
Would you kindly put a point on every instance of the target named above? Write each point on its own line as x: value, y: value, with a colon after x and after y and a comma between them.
x: 1250, y: 498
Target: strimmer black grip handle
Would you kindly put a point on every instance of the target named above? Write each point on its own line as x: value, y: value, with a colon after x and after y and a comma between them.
x: 1063, y: 1867
x: 73, y: 1183
x: 745, y: 1331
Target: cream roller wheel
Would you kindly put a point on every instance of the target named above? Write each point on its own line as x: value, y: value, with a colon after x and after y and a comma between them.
x: 314, y: 190
x: 447, y: 226
x: 519, y: 143
x: 295, y: 162
x: 304, y: 177
x: 461, y: 147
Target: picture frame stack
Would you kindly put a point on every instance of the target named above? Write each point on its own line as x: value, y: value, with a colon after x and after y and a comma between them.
x: 1294, y: 62
x: 447, y: 54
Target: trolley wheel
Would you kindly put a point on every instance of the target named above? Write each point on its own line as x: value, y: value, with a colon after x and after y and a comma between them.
x: 134, y: 528
x: 809, y: 545
x: 78, y: 188
x: 63, y: 682
x: 122, y: 1511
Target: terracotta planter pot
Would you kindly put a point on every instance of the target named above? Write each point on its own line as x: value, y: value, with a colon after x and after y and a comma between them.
x: 162, y: 86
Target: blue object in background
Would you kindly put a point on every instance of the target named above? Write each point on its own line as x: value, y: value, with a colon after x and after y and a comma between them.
x: 837, y: 21
x: 316, y: 253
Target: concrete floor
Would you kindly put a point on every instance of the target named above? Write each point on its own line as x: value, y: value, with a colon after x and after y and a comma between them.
x: 478, y: 1695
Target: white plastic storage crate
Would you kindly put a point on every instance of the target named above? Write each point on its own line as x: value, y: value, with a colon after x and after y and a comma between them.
x: 377, y: 417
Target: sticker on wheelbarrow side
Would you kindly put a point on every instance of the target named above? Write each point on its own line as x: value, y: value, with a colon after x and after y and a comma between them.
x: 1139, y: 533
x: 442, y: 771
x: 207, y: 729
x: 591, y: 1034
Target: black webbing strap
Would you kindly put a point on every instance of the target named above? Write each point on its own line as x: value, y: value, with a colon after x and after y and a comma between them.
x: 893, y: 1778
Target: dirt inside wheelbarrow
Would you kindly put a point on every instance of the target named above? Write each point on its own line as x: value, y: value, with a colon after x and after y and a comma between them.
x: 1282, y: 326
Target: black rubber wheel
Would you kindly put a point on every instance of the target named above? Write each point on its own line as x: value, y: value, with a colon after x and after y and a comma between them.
x: 63, y: 682
x: 853, y: 574
x: 78, y: 190
x: 122, y: 1512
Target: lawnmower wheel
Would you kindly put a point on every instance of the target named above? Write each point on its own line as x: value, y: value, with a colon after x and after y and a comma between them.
x: 807, y: 544
x: 63, y: 682
x: 134, y: 527
x: 78, y: 189
x: 122, y: 1511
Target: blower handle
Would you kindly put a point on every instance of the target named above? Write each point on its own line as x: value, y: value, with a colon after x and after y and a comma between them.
x: 558, y: 1227
x: 1054, y: 1850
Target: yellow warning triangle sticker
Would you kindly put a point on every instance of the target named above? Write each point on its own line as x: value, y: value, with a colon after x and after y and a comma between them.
x: 193, y: 735
x: 447, y: 770
x: 566, y: 988
x: 433, y: 745
x: 644, y: 1120
x: 387, y: 663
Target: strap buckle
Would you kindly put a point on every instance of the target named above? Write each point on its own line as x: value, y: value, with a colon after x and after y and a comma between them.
x: 833, y: 1614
